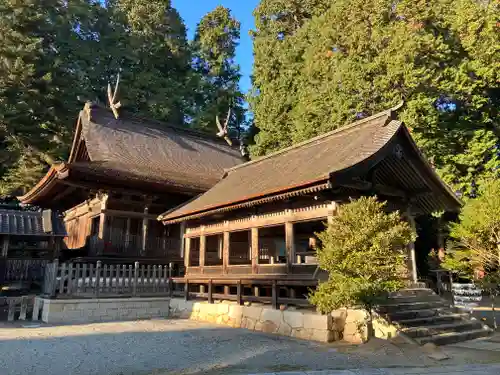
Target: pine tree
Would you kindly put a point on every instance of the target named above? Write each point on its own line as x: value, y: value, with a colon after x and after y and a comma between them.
x: 217, y: 75
x: 320, y: 67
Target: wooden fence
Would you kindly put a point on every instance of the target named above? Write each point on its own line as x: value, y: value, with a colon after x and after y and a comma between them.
x: 22, y: 269
x: 83, y: 280
x: 17, y: 308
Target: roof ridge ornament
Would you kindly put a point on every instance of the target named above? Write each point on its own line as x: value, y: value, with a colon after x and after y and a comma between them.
x: 223, y: 133
x: 113, y: 104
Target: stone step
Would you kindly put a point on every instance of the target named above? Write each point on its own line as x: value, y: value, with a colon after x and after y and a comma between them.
x: 418, y: 313
x: 432, y: 330
x: 413, y: 305
x: 432, y: 320
x: 454, y: 337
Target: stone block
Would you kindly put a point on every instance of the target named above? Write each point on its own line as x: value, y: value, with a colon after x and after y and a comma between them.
x: 267, y: 326
x: 248, y: 323
x: 284, y: 329
x: 317, y: 321
x: 294, y: 319
x: 302, y: 333
x: 222, y: 308
x: 252, y: 312
x: 55, y: 307
x: 322, y: 335
x: 271, y: 315
x: 235, y: 311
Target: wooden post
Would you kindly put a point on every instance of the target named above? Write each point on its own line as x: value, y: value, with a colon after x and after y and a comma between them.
x: 98, y: 278
x: 411, y: 249
x: 332, y: 208
x: 127, y: 233
x: 256, y: 291
x: 203, y: 246
x: 102, y: 221
x: 290, y: 244
x: 225, y: 251
x: 145, y: 230
x: 37, y: 305
x: 24, y: 308
x: 239, y: 297
x: 255, y: 249
x: 186, y: 290
x: 187, y: 253
x: 12, y: 308
x: 274, y: 295
x: 136, y: 277
x: 210, y: 291
x: 5, y: 246
x: 182, y: 232
x: 227, y: 290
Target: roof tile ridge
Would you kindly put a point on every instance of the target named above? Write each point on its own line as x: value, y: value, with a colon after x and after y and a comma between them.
x: 387, y: 113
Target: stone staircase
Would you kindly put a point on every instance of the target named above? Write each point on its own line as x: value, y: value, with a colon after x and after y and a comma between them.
x: 425, y: 317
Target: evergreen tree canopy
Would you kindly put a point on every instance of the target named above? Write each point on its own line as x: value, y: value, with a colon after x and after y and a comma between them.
x: 54, y: 52
x: 321, y: 64
x: 214, y: 49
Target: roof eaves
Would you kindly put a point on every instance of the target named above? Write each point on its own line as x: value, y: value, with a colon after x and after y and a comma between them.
x: 247, y: 203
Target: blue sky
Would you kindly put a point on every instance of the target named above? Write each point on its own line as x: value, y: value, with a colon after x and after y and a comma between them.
x: 192, y: 11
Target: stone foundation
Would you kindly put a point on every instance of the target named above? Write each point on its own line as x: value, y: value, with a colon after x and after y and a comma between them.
x: 344, y: 325
x: 100, y: 310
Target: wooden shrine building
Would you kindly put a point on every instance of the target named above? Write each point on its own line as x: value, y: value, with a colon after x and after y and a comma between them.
x: 29, y: 240
x: 259, y: 222
x: 121, y: 174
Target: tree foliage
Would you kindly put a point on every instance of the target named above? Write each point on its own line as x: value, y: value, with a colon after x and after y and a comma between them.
x: 476, y: 236
x: 214, y: 49
x: 321, y: 64
x: 54, y: 52
x: 363, y: 252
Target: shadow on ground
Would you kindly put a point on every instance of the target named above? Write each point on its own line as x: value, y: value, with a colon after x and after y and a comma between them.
x: 183, y: 347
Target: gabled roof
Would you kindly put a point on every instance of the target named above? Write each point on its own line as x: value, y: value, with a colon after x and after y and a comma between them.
x: 29, y: 223
x: 310, y: 166
x: 150, y: 155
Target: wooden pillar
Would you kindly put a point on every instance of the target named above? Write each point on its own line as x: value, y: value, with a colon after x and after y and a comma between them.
x: 412, y: 258
x: 145, y: 230
x: 332, y: 209
x: 203, y: 247
x: 225, y: 251
x: 290, y: 244
x: 182, y: 232
x: 102, y: 217
x: 127, y: 233
x: 5, y: 246
x: 187, y: 250
x: 254, y: 234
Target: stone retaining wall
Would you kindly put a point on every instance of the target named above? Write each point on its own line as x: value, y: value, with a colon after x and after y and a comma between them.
x: 61, y: 311
x: 342, y: 324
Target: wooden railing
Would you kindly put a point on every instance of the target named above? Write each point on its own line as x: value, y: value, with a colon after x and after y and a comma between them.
x: 23, y: 269
x: 83, y: 280
x: 271, y: 291
x: 17, y: 308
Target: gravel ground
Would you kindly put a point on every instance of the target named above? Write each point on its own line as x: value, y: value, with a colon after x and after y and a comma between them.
x: 187, y: 347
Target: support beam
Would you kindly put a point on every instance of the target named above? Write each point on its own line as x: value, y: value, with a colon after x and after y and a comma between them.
x: 102, y: 222
x: 254, y: 234
x: 127, y: 233
x: 182, y: 232
x: 332, y: 210
x: 203, y: 249
x: 290, y: 244
x: 145, y: 230
x: 187, y: 251
x: 5, y: 246
x: 225, y: 251
x: 412, y: 258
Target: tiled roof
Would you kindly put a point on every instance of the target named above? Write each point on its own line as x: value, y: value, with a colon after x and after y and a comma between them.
x: 29, y: 223
x: 149, y: 150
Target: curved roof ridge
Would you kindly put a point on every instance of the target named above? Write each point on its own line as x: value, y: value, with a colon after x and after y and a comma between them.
x: 388, y: 113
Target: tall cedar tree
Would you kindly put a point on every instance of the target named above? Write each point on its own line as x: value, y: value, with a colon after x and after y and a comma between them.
x: 363, y: 251
x: 214, y: 48
x: 54, y: 52
x: 321, y: 64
